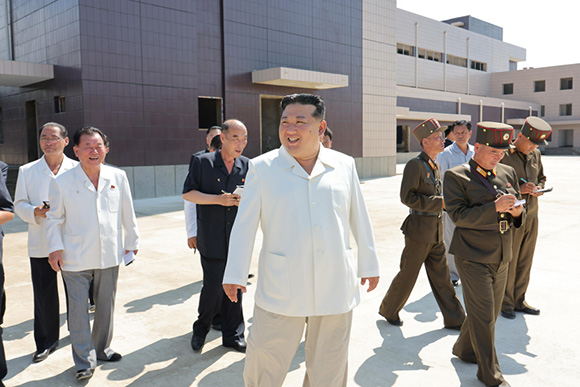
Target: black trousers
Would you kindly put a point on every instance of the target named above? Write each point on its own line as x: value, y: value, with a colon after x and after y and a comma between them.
x: 213, y: 300
x: 46, y: 306
x: 3, y: 365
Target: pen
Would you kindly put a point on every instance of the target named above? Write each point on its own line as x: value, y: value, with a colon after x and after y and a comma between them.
x: 501, y: 192
x: 524, y: 180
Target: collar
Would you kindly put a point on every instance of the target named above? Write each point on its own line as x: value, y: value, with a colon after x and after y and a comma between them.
x: 427, y: 159
x: 324, y: 159
x: 482, y: 171
x: 65, y: 165
x: 105, y: 175
x: 455, y: 148
x: 219, y: 161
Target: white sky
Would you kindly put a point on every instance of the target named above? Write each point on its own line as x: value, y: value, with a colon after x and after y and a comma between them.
x: 547, y: 29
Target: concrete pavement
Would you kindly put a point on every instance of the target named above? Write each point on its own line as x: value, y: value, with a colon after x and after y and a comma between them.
x: 158, y: 294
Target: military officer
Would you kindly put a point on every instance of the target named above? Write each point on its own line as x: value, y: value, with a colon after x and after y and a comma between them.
x: 524, y: 156
x: 481, y: 197
x: 423, y: 229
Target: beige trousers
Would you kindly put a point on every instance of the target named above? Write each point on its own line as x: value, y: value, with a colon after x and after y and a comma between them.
x: 274, y: 339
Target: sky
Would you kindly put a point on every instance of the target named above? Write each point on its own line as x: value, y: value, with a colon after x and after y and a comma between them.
x: 548, y: 30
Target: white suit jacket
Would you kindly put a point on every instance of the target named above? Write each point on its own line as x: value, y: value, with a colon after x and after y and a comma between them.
x: 31, y: 189
x: 89, y: 224
x: 307, y: 266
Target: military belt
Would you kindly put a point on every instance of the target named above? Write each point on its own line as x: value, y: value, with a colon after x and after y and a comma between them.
x: 502, y: 227
x: 421, y: 213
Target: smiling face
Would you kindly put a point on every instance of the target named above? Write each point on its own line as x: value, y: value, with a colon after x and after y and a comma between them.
x: 300, y: 131
x: 91, y: 150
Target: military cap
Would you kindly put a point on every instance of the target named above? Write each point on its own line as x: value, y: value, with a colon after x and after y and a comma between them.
x: 494, y: 134
x: 427, y: 128
x: 536, y: 130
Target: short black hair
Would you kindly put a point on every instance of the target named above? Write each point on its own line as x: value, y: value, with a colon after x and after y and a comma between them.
x: 328, y: 133
x: 459, y: 123
x: 215, y: 127
x: 89, y: 130
x: 61, y: 128
x: 216, y: 142
x: 306, y: 99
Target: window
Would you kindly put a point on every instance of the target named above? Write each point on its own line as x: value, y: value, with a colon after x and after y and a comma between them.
x: 59, y: 104
x: 405, y: 49
x: 457, y: 60
x: 542, y: 111
x: 430, y: 55
x: 508, y: 88
x: 565, y: 83
x: 478, y: 65
x: 566, y: 109
x: 209, y: 112
x: 539, y: 86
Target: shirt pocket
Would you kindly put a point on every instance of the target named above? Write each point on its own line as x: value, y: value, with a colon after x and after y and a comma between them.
x: 113, y: 199
x: 276, y: 276
x: 340, y: 197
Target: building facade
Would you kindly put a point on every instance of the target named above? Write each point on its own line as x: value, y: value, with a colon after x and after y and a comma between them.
x: 154, y: 74
x: 444, y: 71
x: 557, y: 90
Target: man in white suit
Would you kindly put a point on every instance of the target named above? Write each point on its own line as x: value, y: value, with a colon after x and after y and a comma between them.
x: 31, y: 204
x: 90, y: 204
x: 308, y: 200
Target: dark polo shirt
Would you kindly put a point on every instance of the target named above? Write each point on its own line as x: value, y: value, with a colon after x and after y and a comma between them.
x: 208, y: 174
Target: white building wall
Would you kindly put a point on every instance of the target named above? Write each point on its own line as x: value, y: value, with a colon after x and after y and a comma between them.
x: 379, y: 89
x: 551, y: 99
x: 422, y: 32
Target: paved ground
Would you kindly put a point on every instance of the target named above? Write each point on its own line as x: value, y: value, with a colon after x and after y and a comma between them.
x: 158, y: 295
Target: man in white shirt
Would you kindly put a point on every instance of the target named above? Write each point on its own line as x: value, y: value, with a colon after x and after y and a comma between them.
x: 459, y: 152
x: 307, y: 199
x: 90, y: 205
x: 31, y: 204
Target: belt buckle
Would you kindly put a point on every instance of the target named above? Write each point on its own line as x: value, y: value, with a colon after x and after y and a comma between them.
x: 503, y: 226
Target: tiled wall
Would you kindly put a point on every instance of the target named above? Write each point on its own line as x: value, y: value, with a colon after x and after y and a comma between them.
x: 379, y: 88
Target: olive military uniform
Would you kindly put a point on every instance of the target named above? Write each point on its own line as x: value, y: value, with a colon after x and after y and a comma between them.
x: 482, y: 245
x: 529, y: 168
x: 423, y: 229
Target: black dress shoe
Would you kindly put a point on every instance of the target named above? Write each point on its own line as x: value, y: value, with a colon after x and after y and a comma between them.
x: 455, y: 328
x: 87, y: 373
x: 506, y: 314
x: 42, y: 355
x: 197, y: 343
x: 398, y: 322
x: 456, y: 283
x: 529, y: 310
x: 239, y: 346
x: 114, y: 357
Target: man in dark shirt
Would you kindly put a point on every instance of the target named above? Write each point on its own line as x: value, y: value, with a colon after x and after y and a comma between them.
x: 6, y: 215
x: 211, y: 182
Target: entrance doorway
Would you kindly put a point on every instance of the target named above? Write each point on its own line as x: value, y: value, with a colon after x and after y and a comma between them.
x: 31, y: 131
x: 270, y: 121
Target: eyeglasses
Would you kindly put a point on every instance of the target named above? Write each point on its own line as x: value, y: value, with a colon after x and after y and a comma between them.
x: 50, y: 138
